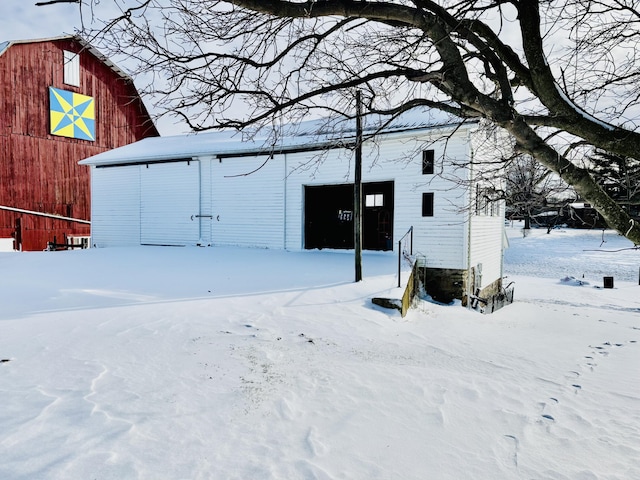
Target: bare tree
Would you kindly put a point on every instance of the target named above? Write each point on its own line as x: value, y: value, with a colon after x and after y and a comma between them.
x: 531, y: 189
x: 555, y: 75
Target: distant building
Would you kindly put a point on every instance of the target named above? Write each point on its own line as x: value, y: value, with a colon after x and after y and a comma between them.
x: 60, y: 101
x: 217, y: 189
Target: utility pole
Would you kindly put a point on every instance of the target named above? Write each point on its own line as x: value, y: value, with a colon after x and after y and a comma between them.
x: 357, y: 191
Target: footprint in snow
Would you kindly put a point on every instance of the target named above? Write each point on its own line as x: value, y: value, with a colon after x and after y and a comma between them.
x: 513, y: 445
x: 546, y: 416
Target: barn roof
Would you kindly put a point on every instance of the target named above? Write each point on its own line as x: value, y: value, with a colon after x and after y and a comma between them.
x: 4, y: 46
x: 305, y: 136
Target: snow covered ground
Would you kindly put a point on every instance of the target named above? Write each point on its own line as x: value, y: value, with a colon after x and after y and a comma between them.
x: 227, y: 363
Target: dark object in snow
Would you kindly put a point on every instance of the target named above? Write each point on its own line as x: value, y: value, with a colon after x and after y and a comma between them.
x: 5, y: 360
x: 608, y: 282
x: 67, y: 244
x: 387, y: 303
x: 574, y: 281
x: 309, y: 340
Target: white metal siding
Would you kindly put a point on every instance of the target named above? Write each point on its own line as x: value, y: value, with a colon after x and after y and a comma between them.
x: 115, y: 206
x: 440, y: 238
x: 206, y: 206
x: 399, y: 159
x: 170, y: 203
x: 487, y: 224
x: 248, y: 201
x: 486, y: 247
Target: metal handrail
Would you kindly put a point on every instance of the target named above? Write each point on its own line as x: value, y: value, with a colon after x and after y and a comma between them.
x: 410, y: 233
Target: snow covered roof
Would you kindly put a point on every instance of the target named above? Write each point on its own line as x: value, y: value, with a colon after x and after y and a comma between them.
x: 4, y: 46
x: 304, y: 136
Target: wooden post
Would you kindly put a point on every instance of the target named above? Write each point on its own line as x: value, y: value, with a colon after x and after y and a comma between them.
x: 357, y: 192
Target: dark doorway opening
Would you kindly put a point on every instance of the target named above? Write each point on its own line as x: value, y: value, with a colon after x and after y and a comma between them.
x: 329, y: 216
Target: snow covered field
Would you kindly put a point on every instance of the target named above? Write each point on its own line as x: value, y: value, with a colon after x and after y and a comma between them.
x: 227, y: 363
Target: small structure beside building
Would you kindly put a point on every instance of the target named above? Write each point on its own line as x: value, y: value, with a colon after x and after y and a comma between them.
x: 60, y: 101
x: 297, y: 193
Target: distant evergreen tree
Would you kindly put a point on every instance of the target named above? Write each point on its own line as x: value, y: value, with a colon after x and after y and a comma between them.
x: 619, y: 177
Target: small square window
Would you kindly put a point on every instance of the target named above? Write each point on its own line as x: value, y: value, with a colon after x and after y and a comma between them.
x: 428, y: 158
x: 71, y: 68
x: 374, y: 200
x: 427, y: 204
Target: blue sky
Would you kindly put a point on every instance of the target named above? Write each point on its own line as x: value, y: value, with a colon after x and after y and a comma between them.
x: 22, y: 19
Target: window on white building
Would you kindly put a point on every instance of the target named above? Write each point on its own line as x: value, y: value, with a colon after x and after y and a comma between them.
x: 428, y: 162
x: 427, y: 204
x: 374, y: 200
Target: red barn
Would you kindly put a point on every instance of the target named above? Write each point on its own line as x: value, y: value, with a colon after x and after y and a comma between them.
x: 60, y: 101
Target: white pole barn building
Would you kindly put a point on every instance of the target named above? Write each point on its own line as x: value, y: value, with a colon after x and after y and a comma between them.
x: 296, y: 192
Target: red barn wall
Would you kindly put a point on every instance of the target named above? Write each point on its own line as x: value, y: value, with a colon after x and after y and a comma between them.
x: 40, y: 171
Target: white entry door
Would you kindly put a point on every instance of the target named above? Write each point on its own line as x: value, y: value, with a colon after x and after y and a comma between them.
x: 170, y: 203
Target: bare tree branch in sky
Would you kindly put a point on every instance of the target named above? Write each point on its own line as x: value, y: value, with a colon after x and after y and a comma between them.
x: 553, y: 74
x: 51, y: 2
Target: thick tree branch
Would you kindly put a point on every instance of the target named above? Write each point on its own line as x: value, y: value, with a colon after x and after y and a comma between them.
x: 51, y: 2
x: 285, y: 58
x: 569, y: 116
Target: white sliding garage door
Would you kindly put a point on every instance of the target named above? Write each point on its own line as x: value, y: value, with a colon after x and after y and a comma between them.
x: 170, y: 203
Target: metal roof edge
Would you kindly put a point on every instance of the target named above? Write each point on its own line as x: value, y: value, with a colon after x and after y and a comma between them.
x: 253, y: 149
x: 4, y: 46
